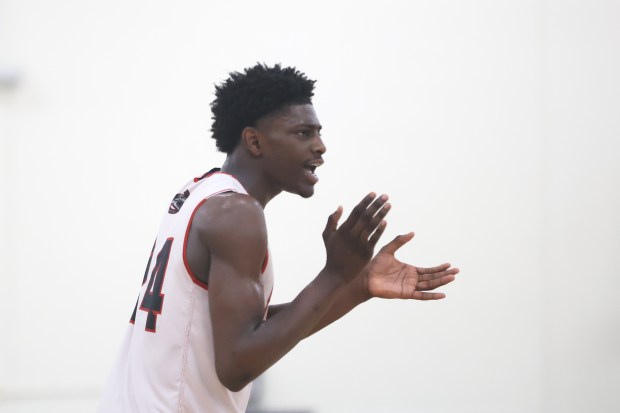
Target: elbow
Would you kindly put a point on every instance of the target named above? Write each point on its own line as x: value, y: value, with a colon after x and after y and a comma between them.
x: 233, y: 380
x: 234, y: 385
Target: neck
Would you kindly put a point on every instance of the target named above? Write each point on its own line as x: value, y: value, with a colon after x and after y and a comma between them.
x: 252, y: 178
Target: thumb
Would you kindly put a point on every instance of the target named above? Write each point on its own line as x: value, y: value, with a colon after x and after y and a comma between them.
x: 332, y: 223
x: 393, y: 246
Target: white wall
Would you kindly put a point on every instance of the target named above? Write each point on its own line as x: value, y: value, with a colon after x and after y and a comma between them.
x: 493, y: 126
x: 581, y: 243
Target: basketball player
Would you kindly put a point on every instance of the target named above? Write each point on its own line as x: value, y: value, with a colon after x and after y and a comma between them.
x: 202, y: 329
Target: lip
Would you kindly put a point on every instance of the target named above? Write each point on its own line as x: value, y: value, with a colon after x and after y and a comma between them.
x: 310, y: 168
x: 311, y: 177
x: 315, y: 162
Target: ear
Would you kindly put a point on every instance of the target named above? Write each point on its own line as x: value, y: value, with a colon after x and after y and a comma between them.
x: 251, y: 139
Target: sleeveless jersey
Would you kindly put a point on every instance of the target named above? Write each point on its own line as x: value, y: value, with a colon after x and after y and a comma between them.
x: 166, y: 362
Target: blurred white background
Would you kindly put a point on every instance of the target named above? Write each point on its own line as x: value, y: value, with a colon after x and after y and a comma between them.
x: 493, y: 125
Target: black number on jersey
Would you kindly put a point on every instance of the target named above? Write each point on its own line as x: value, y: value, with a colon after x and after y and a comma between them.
x: 153, y: 299
x: 132, y: 320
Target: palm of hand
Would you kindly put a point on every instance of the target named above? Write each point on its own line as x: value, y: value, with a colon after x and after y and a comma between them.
x: 389, y: 278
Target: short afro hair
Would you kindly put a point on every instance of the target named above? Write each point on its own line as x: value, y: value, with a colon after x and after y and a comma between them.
x: 244, y: 98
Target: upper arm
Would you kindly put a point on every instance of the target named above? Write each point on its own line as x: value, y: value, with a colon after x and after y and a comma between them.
x: 232, y: 227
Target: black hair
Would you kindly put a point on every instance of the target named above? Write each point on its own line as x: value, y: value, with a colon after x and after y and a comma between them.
x: 244, y: 98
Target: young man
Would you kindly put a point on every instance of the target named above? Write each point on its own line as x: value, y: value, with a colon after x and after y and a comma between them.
x: 202, y: 329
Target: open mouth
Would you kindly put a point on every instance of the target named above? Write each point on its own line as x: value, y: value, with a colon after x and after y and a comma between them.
x: 312, y: 169
x: 312, y: 165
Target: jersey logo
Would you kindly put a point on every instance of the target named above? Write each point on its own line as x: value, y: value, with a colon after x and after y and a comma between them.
x: 177, y: 202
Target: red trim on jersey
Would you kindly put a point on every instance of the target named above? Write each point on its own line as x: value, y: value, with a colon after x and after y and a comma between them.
x: 189, y: 225
x: 234, y: 177
x: 266, y: 312
x: 265, y: 262
x: 208, y: 174
x: 204, y: 175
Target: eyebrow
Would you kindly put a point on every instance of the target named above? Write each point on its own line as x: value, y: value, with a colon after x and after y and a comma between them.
x: 309, y: 125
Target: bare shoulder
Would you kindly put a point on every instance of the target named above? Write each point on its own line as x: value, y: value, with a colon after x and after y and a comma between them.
x: 231, y: 220
x: 229, y: 209
x: 234, y: 202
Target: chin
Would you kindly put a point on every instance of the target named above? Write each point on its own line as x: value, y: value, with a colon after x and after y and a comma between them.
x: 303, y: 189
x: 306, y: 192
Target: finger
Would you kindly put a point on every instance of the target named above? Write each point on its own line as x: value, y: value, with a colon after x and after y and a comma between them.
x: 375, y: 221
x: 432, y: 284
x: 332, y: 224
x: 377, y: 234
x: 359, y: 209
x: 429, y: 277
x: 396, y: 243
x: 362, y: 226
x: 427, y: 296
x: 432, y: 270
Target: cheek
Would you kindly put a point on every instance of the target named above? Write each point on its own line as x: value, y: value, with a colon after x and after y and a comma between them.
x: 288, y: 156
x: 285, y: 163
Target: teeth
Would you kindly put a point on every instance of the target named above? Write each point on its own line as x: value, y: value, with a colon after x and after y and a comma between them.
x: 316, y: 163
x: 311, y: 166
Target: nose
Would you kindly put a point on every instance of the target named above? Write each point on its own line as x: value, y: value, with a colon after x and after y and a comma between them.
x: 318, y: 146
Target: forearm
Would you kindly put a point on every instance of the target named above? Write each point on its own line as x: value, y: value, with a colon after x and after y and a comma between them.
x: 260, y: 347
x: 347, y: 298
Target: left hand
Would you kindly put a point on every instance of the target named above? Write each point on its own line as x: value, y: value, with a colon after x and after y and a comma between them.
x: 387, y: 277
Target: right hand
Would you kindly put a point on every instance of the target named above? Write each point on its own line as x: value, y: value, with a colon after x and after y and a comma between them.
x: 351, y: 246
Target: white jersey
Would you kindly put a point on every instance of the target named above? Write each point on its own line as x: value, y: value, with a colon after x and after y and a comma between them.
x: 166, y: 362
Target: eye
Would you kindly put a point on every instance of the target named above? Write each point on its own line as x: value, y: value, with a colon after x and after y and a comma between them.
x: 305, y: 133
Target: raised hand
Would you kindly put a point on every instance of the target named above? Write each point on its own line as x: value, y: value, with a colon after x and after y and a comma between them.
x: 351, y: 246
x: 387, y: 277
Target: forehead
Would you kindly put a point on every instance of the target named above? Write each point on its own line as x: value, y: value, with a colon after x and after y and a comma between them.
x: 293, y: 115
